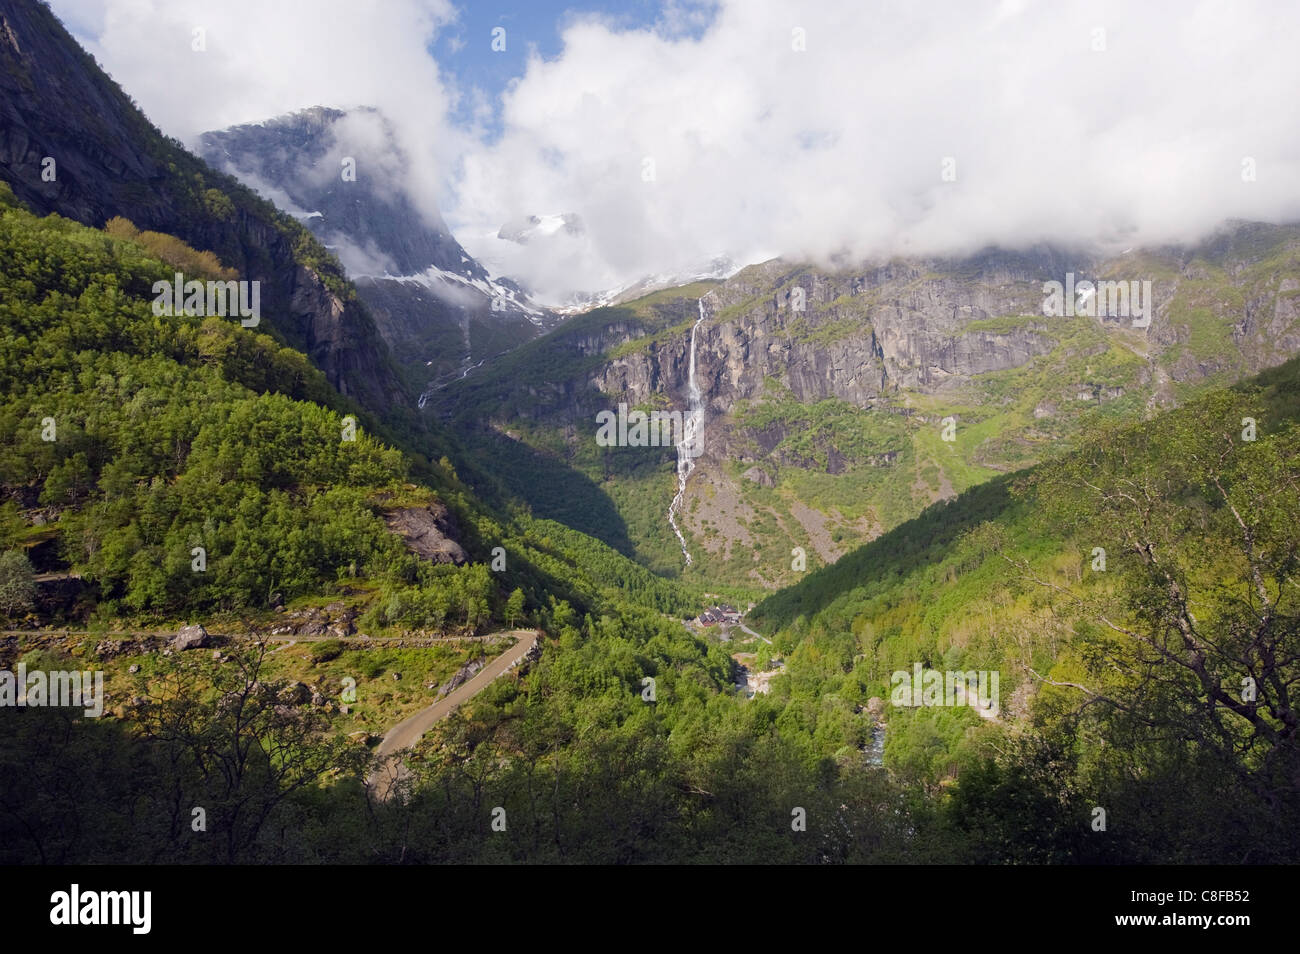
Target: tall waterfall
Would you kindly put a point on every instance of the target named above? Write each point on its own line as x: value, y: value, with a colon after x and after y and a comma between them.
x: 692, y: 443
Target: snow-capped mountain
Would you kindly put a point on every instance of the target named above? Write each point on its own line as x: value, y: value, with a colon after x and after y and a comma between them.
x: 718, y: 269
x: 344, y: 176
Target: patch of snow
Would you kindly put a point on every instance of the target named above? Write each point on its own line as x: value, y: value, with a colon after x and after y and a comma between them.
x: 440, y: 280
x: 549, y: 224
x: 720, y: 269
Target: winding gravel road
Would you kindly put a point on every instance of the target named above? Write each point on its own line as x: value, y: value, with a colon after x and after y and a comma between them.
x: 409, y: 731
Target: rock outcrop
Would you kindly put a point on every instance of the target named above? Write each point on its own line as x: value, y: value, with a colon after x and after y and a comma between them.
x: 336, y: 620
x: 429, y: 532
x: 463, y: 675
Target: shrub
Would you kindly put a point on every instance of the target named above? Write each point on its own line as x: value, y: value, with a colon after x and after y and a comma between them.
x: 17, y: 584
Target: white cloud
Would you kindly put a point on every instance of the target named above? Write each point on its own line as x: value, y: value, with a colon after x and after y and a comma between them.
x: 264, y: 59
x: 760, y: 149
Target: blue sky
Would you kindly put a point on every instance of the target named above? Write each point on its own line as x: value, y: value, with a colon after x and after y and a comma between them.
x: 463, y: 50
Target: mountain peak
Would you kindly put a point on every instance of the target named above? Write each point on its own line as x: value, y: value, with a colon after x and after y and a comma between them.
x: 342, y: 174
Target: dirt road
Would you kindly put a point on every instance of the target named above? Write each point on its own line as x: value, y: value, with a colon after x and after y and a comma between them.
x: 409, y: 731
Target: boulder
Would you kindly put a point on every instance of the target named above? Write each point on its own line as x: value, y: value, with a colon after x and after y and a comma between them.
x: 313, y: 627
x: 190, y: 637
x: 295, y: 694
x: 463, y: 675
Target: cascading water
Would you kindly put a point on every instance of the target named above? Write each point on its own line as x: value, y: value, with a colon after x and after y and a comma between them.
x: 692, y: 443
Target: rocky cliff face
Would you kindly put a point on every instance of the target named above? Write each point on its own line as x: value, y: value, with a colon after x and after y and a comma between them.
x: 809, y: 373
x: 342, y: 174
x: 849, y: 336
x: 72, y: 142
x: 915, y: 326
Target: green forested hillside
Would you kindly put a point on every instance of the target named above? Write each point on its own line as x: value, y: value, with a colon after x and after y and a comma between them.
x: 625, y: 741
x: 1163, y: 665
x: 129, y: 439
x: 144, y: 437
